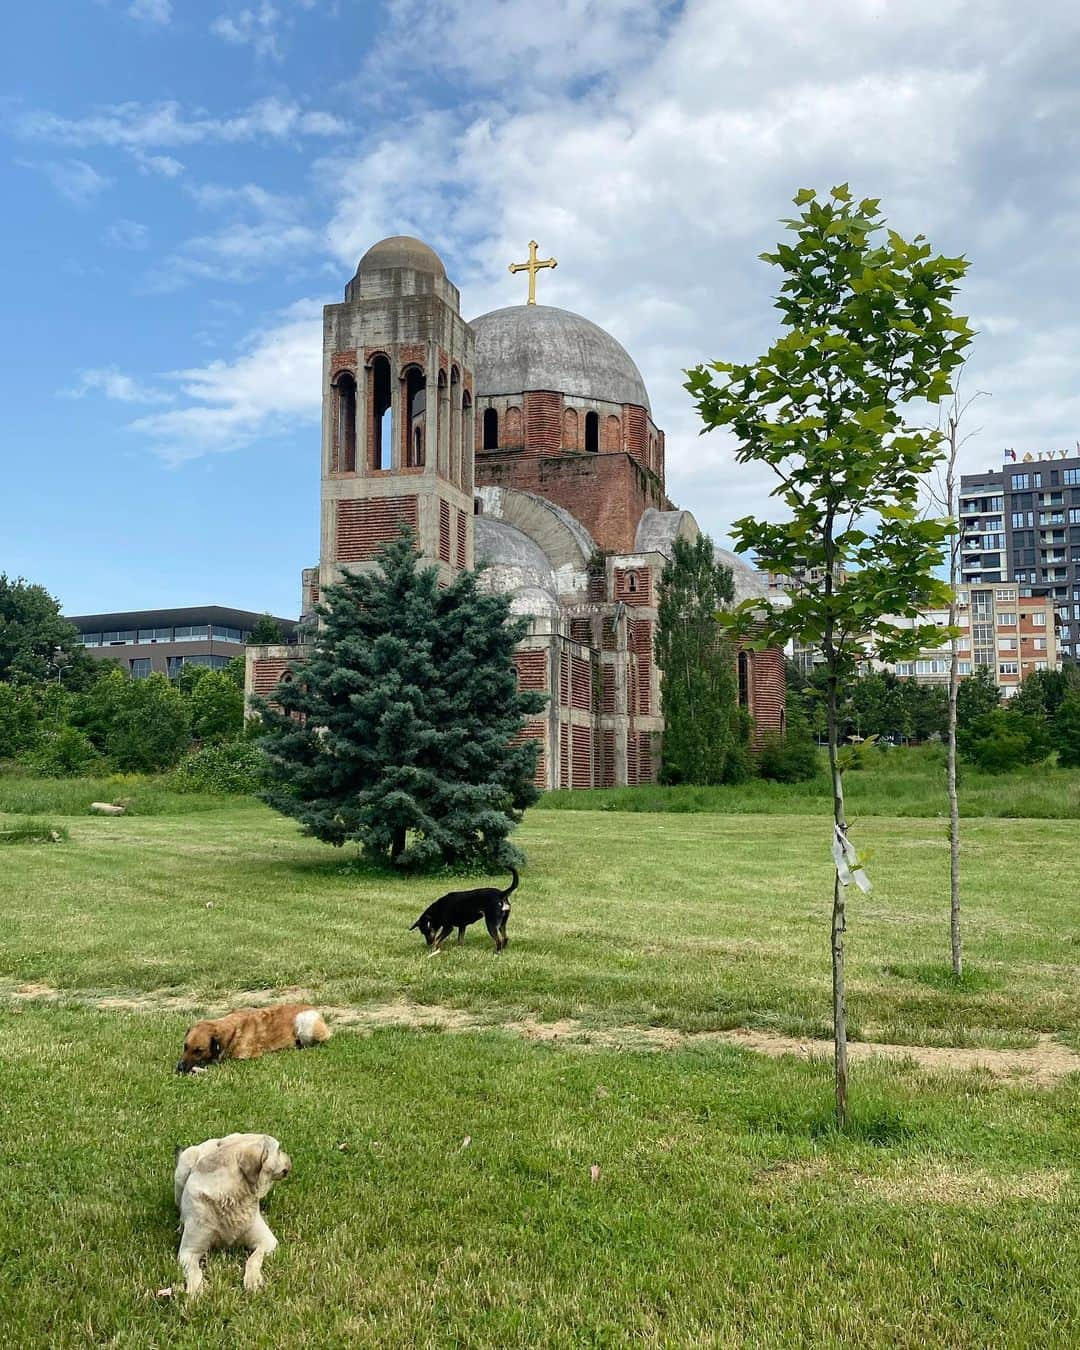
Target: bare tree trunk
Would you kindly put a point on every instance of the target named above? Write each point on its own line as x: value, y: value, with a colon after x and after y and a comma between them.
x: 838, y: 919
x: 954, y: 685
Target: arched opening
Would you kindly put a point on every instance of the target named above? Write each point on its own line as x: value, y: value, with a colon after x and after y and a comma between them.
x: 467, y: 434
x: 345, y: 423
x: 631, y: 583
x: 491, y: 429
x: 592, y: 432
x: 415, y: 397
x: 744, y: 679
x: 456, y: 424
x: 382, y: 437
x: 442, y: 426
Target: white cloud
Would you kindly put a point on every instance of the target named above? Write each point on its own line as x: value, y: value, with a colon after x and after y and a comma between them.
x: 255, y: 27
x: 114, y: 384
x: 162, y: 165
x: 127, y: 234
x: 73, y: 179
x: 137, y: 125
x: 151, y: 11
x: 651, y: 147
x: 272, y: 386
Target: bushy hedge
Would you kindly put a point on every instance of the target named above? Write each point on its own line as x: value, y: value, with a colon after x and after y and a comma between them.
x: 786, y: 760
x: 232, y: 767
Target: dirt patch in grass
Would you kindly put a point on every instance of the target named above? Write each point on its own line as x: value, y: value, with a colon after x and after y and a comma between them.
x: 918, y: 1183
x: 1044, y: 1062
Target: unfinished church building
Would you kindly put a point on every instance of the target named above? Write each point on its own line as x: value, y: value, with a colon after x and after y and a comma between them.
x: 525, y: 440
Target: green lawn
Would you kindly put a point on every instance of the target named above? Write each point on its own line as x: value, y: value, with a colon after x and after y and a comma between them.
x: 726, y: 1211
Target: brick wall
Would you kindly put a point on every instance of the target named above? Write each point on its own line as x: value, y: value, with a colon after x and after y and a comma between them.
x: 362, y: 526
x: 633, y: 585
x: 266, y: 674
x: 767, y: 692
x: 607, y: 493
x: 532, y: 669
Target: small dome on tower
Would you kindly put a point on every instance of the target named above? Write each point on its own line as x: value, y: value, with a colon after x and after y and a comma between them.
x: 401, y: 250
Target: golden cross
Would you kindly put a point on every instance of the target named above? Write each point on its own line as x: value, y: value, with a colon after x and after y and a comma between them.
x: 532, y: 267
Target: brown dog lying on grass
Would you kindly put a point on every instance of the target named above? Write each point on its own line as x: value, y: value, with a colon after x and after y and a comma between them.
x: 251, y: 1032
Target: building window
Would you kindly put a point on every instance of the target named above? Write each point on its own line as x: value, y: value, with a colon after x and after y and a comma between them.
x: 1038, y: 618
x: 382, y: 415
x: 415, y: 416
x: 345, y: 424
x: 905, y: 668
x: 963, y: 667
x: 140, y: 668
x: 90, y: 639
x: 491, y: 429
x: 1071, y: 478
x: 1008, y: 668
x: 1040, y: 644
x: 226, y: 634
x: 744, y: 679
x: 1021, y: 482
x: 1007, y: 644
x: 155, y: 635
x: 119, y: 638
x: 592, y: 432
x: 1007, y: 618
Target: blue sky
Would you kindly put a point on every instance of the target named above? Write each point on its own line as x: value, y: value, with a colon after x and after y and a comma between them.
x: 186, y: 182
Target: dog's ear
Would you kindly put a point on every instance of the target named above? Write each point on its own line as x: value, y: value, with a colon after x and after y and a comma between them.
x: 215, y: 1048
x: 253, y: 1159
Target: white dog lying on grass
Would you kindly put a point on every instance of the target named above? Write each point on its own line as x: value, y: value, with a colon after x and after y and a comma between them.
x: 218, y: 1185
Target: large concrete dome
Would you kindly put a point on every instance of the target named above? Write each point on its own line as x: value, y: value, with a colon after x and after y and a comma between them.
x: 527, y: 347
x: 401, y: 250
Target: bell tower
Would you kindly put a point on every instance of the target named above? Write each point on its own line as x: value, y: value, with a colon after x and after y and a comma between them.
x: 397, y: 425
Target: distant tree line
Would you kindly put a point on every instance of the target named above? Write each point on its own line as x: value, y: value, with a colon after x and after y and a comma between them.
x: 994, y: 734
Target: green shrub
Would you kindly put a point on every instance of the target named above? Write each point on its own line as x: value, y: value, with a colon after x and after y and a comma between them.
x: 788, y: 761
x: 1002, y: 740
x: 66, y: 753
x: 232, y: 766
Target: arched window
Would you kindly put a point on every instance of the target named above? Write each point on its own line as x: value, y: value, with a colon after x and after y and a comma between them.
x: 382, y: 438
x: 415, y: 397
x: 457, y: 422
x: 612, y: 434
x: 513, y: 435
x: 491, y: 429
x: 345, y: 423
x: 570, y: 429
x: 442, y: 426
x: 467, y: 434
x: 744, y: 679
x: 592, y: 432
x: 631, y: 583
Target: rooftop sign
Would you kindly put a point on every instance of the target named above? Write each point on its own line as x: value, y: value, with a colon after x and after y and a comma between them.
x: 1032, y: 457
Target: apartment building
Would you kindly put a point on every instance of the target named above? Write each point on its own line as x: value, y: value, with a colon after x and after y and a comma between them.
x: 1009, y: 628
x: 1021, y: 525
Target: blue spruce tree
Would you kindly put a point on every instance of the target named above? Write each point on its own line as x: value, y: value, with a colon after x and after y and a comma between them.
x: 398, y: 731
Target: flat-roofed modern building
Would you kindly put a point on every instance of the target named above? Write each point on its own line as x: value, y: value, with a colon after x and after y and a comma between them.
x: 1021, y: 526
x: 149, y: 641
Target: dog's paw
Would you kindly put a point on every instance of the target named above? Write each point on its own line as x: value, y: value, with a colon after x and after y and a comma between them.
x: 436, y: 952
x: 253, y: 1283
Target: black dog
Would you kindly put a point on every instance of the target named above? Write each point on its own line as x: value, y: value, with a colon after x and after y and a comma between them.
x: 458, y: 909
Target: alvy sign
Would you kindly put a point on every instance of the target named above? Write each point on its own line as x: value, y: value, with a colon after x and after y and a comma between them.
x: 1033, y: 456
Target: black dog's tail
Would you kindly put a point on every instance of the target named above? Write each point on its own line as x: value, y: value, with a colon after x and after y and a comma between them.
x: 513, y: 885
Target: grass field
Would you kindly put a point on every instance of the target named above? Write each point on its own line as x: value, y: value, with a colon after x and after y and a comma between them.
x: 726, y: 1210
